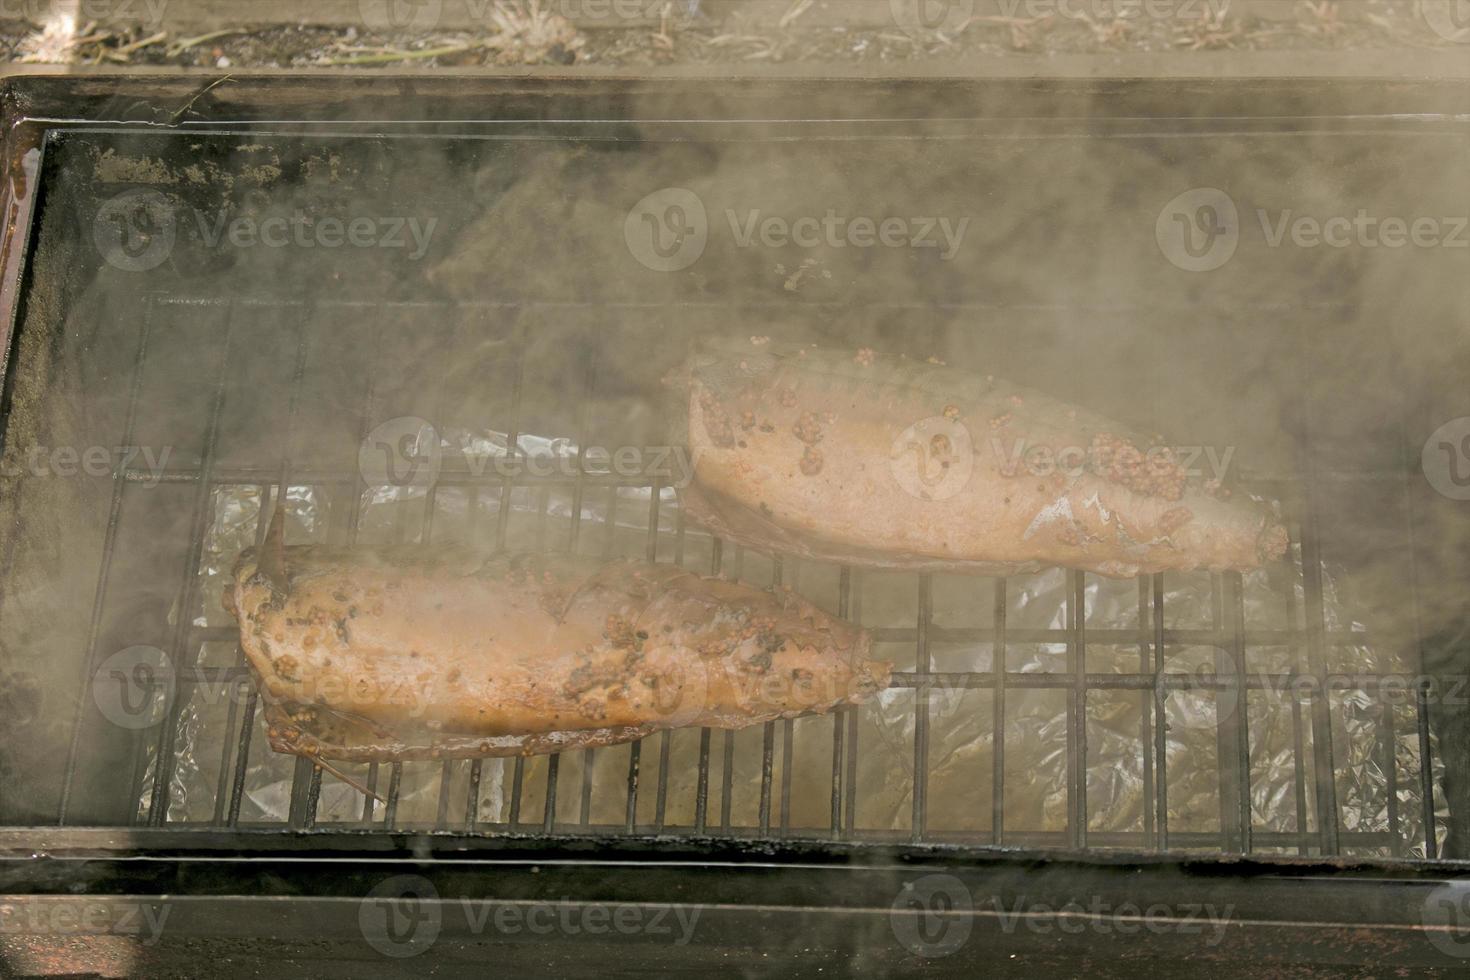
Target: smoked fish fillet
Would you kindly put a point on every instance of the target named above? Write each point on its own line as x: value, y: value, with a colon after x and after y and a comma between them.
x: 409, y: 653
x: 887, y: 462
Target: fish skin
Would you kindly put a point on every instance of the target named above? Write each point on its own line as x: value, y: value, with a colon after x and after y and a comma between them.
x: 407, y: 653
x: 826, y: 455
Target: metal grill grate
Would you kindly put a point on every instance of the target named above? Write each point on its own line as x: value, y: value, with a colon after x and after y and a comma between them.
x: 1319, y: 832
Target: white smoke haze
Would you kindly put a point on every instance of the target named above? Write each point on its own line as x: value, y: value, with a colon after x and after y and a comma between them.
x: 1049, y: 267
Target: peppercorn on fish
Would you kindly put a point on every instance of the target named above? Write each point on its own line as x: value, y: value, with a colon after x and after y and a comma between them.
x: 407, y: 653
x: 882, y: 461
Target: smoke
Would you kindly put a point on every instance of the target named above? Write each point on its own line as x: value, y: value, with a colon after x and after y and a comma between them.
x: 995, y: 233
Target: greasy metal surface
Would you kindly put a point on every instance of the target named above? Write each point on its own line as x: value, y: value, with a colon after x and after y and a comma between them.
x: 773, y: 905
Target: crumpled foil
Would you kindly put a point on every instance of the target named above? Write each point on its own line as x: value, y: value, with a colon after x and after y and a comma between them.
x: 614, y: 522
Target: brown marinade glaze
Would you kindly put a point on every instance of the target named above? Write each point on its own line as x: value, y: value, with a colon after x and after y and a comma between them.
x: 889, y: 462
x: 411, y: 653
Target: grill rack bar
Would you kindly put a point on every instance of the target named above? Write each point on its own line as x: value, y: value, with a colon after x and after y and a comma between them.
x: 1229, y: 633
x: 1077, y: 719
x: 1173, y: 636
x: 923, y: 664
x: 199, y: 523
x: 1203, y: 841
x: 1171, y: 682
x: 1146, y: 715
x: 109, y: 543
x: 839, y: 717
x: 1426, y: 772
x: 998, y: 675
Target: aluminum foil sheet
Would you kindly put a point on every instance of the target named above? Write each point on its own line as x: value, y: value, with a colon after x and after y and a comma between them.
x: 1120, y: 748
